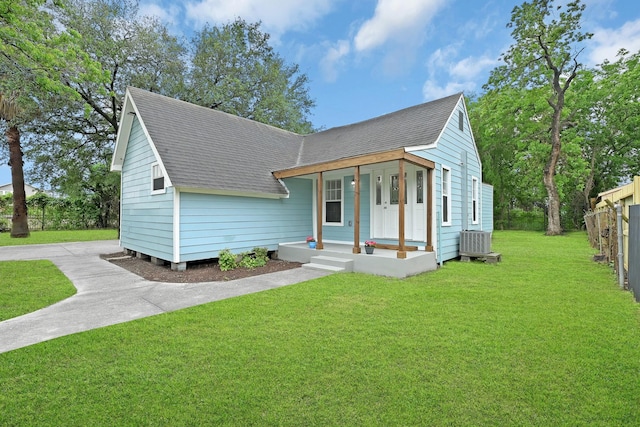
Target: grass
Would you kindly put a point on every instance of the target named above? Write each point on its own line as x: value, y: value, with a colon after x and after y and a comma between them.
x: 543, y: 338
x: 26, y: 286
x: 63, y: 236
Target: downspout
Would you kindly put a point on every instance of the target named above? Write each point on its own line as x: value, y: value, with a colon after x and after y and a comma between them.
x: 285, y: 188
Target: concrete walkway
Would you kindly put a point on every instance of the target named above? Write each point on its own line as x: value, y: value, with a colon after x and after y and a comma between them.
x: 108, y: 294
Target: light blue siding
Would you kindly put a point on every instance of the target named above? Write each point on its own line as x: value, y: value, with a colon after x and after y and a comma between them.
x: 344, y: 232
x: 211, y: 223
x: 487, y: 207
x: 449, y: 153
x: 146, y: 220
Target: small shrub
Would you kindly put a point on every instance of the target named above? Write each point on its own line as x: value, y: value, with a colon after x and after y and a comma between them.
x: 261, y: 253
x: 227, y: 260
x: 256, y: 259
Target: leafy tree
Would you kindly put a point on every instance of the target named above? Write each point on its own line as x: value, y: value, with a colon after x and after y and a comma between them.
x: 231, y: 67
x: 543, y: 58
x: 8, y: 113
x: 234, y: 69
x: 40, y: 201
x: 35, y: 57
x: 611, y: 136
x: 139, y: 51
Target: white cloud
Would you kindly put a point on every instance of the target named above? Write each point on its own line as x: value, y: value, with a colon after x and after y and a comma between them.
x: 333, y: 59
x: 609, y: 41
x: 447, y: 75
x: 152, y: 9
x: 471, y: 66
x: 276, y: 19
x: 171, y: 15
x: 442, y: 58
x: 431, y: 90
x: 396, y: 20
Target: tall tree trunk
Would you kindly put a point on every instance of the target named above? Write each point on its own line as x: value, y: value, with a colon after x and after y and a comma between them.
x: 589, y: 183
x: 20, y: 223
x: 554, y: 226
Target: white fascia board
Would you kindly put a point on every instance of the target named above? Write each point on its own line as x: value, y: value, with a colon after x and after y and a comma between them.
x: 420, y: 147
x: 124, y: 131
x: 219, y: 192
x: 473, y: 140
x: 129, y: 111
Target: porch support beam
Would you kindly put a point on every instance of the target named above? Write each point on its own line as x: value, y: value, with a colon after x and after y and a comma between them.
x: 356, y: 211
x: 402, y: 252
x: 429, y: 216
x: 419, y: 161
x: 368, y: 159
x: 319, y: 244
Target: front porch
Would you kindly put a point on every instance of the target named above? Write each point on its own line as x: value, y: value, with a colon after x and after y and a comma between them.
x: 383, y: 262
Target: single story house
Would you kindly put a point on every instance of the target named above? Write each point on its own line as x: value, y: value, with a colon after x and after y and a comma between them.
x: 29, y: 190
x: 196, y: 181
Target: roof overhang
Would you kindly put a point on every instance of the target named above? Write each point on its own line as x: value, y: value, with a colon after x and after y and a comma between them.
x: 129, y: 111
x: 367, y: 159
x: 234, y: 193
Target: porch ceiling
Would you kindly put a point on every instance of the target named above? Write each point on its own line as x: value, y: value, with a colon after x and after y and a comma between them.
x: 368, y: 159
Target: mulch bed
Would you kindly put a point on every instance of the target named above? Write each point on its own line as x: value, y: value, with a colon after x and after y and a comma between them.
x: 207, y: 271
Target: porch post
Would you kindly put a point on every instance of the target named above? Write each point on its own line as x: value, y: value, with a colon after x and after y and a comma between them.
x: 430, y: 192
x: 402, y: 253
x: 356, y: 211
x: 319, y: 213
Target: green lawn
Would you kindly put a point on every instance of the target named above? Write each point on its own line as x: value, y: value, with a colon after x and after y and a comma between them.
x: 63, y: 236
x: 27, y: 286
x: 543, y: 338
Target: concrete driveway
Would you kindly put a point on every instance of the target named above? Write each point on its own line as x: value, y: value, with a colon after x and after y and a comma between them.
x: 108, y: 294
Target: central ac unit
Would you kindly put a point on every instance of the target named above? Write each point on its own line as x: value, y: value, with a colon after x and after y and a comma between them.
x: 475, y: 242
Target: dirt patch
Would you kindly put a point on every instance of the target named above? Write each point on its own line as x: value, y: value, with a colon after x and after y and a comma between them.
x: 208, y: 271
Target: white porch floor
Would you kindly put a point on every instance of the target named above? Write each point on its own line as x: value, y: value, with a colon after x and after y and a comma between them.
x: 383, y: 262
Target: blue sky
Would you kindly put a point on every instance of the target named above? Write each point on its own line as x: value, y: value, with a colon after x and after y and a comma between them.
x: 366, y: 58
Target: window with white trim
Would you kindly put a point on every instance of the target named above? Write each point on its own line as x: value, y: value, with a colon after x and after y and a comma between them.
x: 157, y: 179
x: 333, y: 201
x: 475, y: 214
x: 446, y: 196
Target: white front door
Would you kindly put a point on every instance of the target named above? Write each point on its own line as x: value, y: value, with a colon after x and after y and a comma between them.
x: 386, y: 197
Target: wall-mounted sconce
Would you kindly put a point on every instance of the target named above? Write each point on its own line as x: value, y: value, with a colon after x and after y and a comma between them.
x: 353, y: 182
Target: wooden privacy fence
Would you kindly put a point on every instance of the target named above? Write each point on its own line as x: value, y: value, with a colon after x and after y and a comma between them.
x: 634, y: 250
x: 603, y: 235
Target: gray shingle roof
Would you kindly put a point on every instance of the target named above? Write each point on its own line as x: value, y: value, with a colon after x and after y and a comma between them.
x: 410, y: 127
x: 208, y: 149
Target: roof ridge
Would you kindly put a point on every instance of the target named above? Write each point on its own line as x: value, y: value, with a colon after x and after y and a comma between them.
x: 213, y: 110
x: 396, y: 112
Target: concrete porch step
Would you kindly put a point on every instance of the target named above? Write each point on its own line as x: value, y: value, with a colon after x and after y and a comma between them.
x: 321, y: 262
x: 322, y: 267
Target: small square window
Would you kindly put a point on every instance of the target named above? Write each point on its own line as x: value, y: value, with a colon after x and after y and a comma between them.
x: 157, y: 178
